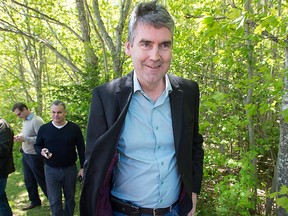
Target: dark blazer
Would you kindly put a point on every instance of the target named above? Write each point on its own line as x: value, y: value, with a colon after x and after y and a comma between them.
x: 6, y: 150
x: 108, y: 109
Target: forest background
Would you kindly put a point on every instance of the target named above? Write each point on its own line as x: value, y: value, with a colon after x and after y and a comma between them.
x: 237, y: 50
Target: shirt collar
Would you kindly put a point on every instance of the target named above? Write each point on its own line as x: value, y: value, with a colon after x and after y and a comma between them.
x: 30, y: 116
x: 137, y: 86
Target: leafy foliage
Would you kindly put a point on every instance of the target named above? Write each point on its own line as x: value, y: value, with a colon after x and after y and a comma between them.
x: 281, y: 197
x: 235, y: 53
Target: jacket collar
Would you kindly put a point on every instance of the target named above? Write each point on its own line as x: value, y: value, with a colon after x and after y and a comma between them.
x: 124, y: 90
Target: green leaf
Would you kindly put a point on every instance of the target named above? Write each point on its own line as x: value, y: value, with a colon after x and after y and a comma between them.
x: 284, y: 114
x: 235, y: 13
x: 251, y: 109
x: 283, y: 202
x: 263, y: 108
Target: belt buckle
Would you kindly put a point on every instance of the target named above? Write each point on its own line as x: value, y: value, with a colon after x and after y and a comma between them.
x: 135, y: 210
x: 154, y: 212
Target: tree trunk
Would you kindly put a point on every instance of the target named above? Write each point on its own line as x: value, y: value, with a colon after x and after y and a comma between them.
x: 114, y: 47
x: 282, y: 163
x: 90, y: 57
x: 251, y: 133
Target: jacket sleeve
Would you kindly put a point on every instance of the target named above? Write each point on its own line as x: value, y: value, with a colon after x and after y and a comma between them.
x: 197, y: 150
x: 5, y: 142
x: 97, y: 124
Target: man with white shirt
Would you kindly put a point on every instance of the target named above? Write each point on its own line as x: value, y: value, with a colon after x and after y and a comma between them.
x: 59, y: 141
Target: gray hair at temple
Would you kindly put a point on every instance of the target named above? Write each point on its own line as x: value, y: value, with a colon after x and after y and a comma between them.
x: 150, y: 13
x: 59, y: 103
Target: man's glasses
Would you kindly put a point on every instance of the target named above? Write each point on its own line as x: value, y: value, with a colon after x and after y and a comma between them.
x: 18, y: 114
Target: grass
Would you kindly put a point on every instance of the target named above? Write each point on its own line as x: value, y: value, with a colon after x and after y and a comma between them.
x: 18, y: 196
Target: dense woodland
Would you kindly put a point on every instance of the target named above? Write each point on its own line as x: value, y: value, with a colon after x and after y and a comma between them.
x: 236, y: 50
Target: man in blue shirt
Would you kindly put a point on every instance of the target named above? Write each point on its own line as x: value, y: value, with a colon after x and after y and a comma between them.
x: 144, y: 150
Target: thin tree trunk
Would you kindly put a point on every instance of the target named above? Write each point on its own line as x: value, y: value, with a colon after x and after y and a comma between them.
x: 91, y: 59
x: 282, y: 162
x: 270, y: 201
x: 248, y: 7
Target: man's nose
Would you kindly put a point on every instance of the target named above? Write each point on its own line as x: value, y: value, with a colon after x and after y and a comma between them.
x: 155, y: 54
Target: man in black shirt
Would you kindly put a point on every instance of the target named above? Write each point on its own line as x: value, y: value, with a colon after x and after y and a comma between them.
x: 56, y: 141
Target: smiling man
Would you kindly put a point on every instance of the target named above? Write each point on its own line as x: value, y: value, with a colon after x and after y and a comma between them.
x: 59, y: 141
x: 144, y: 151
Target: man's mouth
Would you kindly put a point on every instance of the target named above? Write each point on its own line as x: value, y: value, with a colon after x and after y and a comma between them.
x: 153, y: 66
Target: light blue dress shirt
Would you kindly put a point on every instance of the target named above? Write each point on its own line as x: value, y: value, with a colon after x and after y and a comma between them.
x: 146, y: 173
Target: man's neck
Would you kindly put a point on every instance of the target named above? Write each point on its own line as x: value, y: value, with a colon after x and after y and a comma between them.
x: 59, y: 124
x: 155, y: 91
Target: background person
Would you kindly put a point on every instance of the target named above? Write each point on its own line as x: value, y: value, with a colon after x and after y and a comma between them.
x: 144, y: 151
x: 33, y: 165
x: 57, y: 142
x: 6, y: 164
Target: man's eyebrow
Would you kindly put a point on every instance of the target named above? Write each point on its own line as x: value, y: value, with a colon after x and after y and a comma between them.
x: 148, y: 41
x: 144, y: 41
x: 169, y: 42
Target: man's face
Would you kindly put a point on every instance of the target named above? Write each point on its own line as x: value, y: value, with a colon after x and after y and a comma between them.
x: 151, y: 53
x: 21, y: 114
x: 58, y: 114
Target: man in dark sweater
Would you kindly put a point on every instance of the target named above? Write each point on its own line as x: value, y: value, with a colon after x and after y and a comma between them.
x: 57, y: 142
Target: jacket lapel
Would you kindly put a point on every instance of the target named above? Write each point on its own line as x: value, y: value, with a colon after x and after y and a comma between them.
x: 176, y: 103
x: 124, y: 91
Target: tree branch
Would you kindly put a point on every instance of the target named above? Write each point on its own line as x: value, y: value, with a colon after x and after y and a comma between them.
x: 47, y: 44
x: 48, y: 18
x: 248, y: 21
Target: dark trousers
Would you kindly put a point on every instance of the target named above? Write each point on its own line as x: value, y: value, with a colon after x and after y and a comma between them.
x: 61, y: 179
x: 4, y: 205
x: 33, y: 168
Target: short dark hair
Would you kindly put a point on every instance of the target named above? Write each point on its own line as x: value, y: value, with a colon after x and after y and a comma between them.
x: 58, y: 102
x: 150, y: 13
x: 20, y: 106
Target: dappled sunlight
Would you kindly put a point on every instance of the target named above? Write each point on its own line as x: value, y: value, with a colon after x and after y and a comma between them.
x: 21, y: 184
x: 18, y: 197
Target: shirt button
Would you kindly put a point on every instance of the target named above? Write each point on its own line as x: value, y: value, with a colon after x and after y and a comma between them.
x: 162, y: 163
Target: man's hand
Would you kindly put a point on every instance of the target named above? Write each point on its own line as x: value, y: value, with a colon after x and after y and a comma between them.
x: 45, y: 152
x: 80, y: 175
x: 194, y: 203
x: 18, y: 138
x: 81, y: 172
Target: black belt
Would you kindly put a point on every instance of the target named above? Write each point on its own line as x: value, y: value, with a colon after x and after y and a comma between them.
x: 131, y: 210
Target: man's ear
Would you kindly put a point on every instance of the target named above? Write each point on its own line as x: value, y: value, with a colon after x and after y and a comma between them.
x: 128, y: 48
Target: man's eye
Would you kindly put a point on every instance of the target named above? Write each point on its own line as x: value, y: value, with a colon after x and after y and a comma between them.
x: 166, y: 45
x: 145, y: 44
